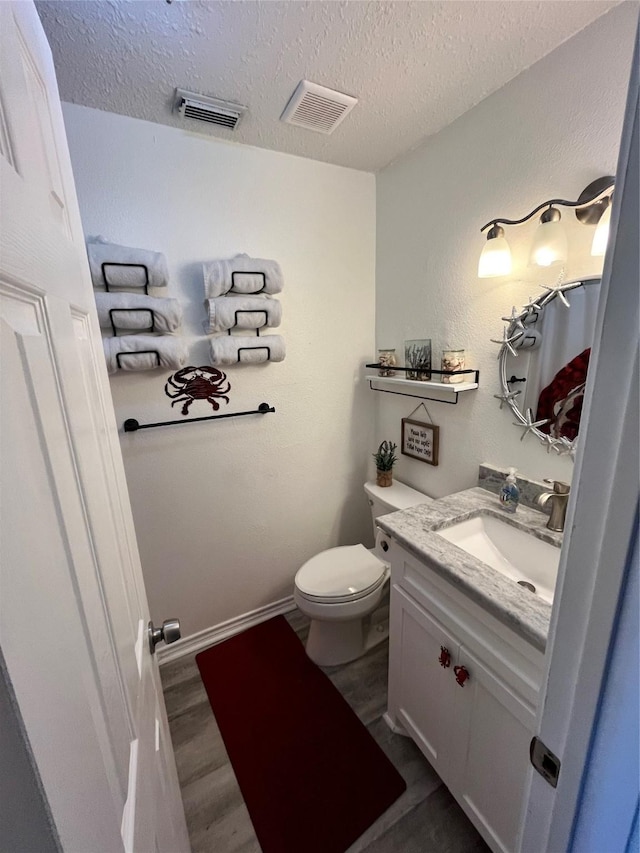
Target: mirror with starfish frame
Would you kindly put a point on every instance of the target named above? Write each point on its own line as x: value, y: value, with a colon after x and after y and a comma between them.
x: 543, y: 362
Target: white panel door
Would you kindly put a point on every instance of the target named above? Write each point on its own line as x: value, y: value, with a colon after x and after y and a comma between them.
x: 73, y: 609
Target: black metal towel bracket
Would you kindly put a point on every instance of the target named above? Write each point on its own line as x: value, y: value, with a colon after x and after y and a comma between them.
x: 128, y: 353
x: 109, y: 284
x: 112, y: 319
x: 132, y: 425
x: 252, y: 311
x: 235, y: 273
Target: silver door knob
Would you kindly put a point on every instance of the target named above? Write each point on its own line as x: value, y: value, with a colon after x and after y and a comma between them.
x: 170, y: 632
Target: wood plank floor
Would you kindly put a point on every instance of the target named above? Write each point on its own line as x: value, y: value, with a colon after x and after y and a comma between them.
x: 425, y: 819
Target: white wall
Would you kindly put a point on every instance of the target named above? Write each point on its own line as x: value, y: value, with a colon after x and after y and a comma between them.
x: 227, y: 511
x: 547, y: 133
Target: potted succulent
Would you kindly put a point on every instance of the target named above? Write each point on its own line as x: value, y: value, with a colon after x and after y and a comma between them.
x: 385, y: 458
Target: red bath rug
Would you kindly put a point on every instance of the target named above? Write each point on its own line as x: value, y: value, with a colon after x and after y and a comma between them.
x: 311, y: 775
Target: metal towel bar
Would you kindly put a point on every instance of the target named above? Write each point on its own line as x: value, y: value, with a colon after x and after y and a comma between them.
x: 132, y: 425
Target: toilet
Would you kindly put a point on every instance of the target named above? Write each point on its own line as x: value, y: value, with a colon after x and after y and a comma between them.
x: 338, y: 589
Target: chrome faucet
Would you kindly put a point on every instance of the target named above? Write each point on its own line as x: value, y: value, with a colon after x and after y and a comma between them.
x: 559, y: 499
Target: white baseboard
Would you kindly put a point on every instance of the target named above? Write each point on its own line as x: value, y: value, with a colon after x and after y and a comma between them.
x: 210, y: 636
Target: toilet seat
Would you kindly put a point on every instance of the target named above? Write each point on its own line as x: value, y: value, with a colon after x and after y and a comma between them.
x: 342, y: 574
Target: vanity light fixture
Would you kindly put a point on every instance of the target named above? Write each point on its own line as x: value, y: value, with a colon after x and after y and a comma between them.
x: 495, y: 258
x: 550, y: 242
x: 601, y: 237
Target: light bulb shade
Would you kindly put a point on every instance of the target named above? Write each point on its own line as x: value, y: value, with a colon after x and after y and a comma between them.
x: 495, y: 258
x: 549, y: 244
x: 601, y: 237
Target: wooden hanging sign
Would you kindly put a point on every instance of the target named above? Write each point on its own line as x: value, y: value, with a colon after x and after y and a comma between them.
x: 420, y: 440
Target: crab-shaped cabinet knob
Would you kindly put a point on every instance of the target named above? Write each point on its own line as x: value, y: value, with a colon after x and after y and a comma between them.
x: 461, y: 674
x: 445, y: 657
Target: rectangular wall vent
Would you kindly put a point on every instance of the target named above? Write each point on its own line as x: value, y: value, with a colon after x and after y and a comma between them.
x: 212, y: 110
x: 317, y: 108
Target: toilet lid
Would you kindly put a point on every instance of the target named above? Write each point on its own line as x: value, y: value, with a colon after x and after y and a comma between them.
x: 345, y: 571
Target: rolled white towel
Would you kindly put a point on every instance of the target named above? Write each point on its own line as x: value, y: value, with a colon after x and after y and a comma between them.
x: 138, y: 352
x: 136, y: 311
x: 242, y: 274
x: 242, y: 312
x: 124, y: 266
x: 246, y: 350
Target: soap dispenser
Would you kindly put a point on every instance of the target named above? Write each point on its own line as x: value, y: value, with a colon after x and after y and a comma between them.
x: 510, y: 493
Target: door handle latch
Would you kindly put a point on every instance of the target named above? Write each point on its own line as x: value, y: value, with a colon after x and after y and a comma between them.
x: 545, y: 762
x: 170, y: 632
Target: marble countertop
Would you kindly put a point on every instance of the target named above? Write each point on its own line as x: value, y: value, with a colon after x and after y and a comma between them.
x: 415, y: 529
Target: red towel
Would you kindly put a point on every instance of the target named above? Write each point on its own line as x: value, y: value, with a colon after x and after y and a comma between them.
x: 561, y: 401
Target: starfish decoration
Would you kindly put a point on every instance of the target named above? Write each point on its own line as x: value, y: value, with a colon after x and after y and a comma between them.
x: 532, y: 303
x: 514, y: 321
x: 529, y: 424
x: 562, y: 446
x: 549, y: 441
x: 506, y: 398
x: 557, y: 290
x: 545, y: 440
x: 506, y: 341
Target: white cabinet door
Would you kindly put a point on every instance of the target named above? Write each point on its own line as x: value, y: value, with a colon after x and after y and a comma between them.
x: 476, y: 734
x: 73, y: 609
x: 490, y: 752
x: 422, y: 695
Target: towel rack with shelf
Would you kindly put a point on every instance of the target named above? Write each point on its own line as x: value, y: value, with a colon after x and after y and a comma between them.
x: 132, y: 425
x: 447, y: 393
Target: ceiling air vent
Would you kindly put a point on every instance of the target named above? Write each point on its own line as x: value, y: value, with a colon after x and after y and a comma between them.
x: 212, y: 110
x: 317, y: 108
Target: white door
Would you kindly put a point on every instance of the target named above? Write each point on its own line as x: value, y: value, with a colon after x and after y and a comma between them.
x: 73, y: 610
x: 585, y: 641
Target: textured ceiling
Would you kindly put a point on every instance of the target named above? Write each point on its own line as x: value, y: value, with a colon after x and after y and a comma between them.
x: 415, y: 66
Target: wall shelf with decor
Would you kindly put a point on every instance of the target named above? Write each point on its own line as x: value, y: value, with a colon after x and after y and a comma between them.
x: 446, y: 392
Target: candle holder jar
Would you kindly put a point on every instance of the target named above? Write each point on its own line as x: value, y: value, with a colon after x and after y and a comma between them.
x: 417, y: 356
x: 387, y: 361
x: 453, y: 359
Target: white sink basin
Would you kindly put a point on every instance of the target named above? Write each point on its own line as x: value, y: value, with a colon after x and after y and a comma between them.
x: 512, y: 552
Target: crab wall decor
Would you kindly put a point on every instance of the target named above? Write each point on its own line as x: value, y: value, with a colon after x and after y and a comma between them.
x: 197, y: 383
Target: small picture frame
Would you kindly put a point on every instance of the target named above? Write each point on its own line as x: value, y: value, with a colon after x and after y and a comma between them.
x: 420, y: 440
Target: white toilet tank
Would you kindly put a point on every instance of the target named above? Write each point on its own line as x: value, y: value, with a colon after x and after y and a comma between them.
x: 386, y: 499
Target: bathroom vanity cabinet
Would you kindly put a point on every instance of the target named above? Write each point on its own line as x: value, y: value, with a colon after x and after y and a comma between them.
x: 465, y: 688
